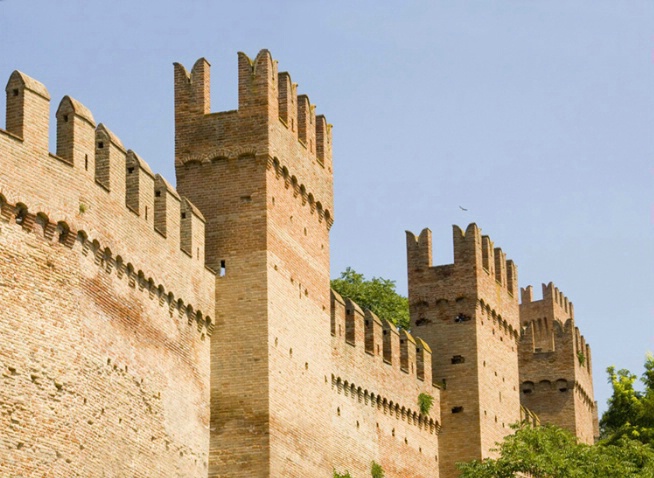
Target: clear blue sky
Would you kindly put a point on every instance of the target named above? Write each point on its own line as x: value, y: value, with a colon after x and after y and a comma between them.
x: 535, y: 116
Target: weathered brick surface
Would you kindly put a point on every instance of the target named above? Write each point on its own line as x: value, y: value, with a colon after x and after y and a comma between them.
x: 105, y: 325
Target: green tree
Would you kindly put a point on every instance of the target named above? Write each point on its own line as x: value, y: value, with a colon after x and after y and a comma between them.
x: 631, y: 412
x: 625, y: 450
x: 551, y: 452
x: 376, y: 294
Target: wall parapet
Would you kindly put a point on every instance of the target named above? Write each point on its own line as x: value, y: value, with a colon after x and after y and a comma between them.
x: 95, y: 184
x: 472, y: 251
x: 380, y: 340
x: 560, y: 338
x: 280, y: 122
x: 552, y: 296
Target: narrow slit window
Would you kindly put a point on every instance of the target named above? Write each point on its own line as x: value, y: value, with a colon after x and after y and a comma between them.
x: 223, y: 269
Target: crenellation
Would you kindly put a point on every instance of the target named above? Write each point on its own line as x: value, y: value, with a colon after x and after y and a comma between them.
x: 98, y: 158
x: 110, y: 161
x: 167, y: 209
x: 287, y: 102
x: 374, y: 333
x: 257, y: 89
x: 76, y: 135
x: 512, y: 278
x: 468, y: 312
x: 407, y: 352
x: 306, y: 123
x: 487, y: 255
x: 192, y: 233
x: 500, y: 267
x: 354, y: 323
x: 337, y: 314
x: 423, y: 360
x: 28, y: 111
x: 467, y: 245
x: 391, y: 344
x: 419, y: 250
x: 379, y: 338
x: 139, y: 188
x: 324, y: 142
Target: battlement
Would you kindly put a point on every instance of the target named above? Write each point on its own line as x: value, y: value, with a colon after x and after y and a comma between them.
x: 262, y: 91
x: 545, y: 320
x: 559, y: 338
x: 380, y: 339
x: 94, y: 184
x: 272, y: 121
x: 553, y: 297
x: 473, y: 252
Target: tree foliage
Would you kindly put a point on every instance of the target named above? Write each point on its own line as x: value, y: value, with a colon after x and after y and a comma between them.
x: 551, y: 452
x: 625, y: 450
x: 376, y: 294
x: 631, y: 412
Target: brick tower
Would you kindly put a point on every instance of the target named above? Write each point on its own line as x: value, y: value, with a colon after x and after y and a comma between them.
x: 555, y: 364
x: 468, y: 314
x: 262, y: 178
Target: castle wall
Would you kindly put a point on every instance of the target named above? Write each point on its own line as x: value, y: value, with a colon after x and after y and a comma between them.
x: 106, y: 323
x: 152, y: 333
x: 375, y: 385
x: 555, y: 364
x: 468, y: 314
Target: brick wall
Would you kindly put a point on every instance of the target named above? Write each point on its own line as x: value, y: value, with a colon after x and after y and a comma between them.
x: 151, y: 332
x: 106, y: 322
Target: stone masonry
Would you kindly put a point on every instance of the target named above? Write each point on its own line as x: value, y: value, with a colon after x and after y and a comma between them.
x: 149, y: 331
